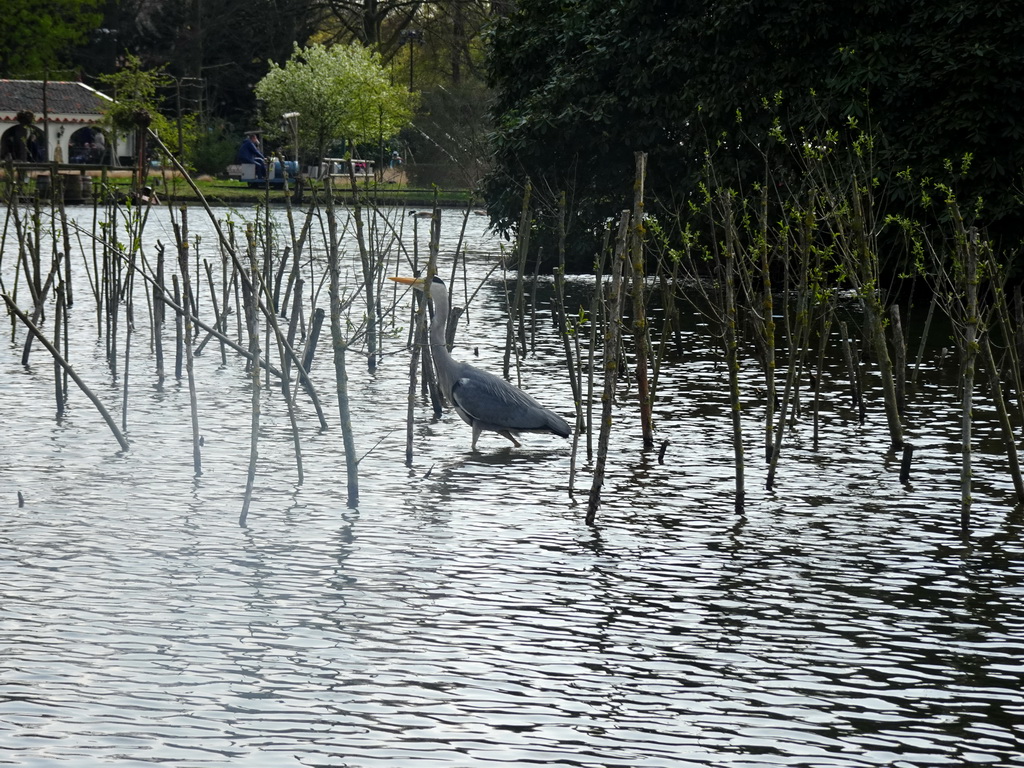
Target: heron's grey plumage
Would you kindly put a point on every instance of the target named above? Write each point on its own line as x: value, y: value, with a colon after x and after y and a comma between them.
x: 486, y: 402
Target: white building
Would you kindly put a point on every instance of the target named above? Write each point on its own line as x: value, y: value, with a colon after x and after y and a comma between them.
x: 65, y: 130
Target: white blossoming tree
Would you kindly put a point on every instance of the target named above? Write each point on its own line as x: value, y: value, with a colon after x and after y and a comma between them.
x: 341, y: 92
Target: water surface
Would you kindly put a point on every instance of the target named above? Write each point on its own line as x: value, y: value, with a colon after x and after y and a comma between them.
x: 463, y: 614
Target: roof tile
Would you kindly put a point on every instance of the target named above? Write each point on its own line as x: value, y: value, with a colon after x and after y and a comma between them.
x: 62, y: 97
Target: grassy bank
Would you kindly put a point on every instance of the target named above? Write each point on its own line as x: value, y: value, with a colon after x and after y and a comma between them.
x: 172, y: 188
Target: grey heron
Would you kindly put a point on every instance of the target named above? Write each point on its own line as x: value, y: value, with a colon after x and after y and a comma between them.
x: 484, y: 401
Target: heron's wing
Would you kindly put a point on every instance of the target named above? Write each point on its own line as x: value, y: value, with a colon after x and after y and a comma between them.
x: 493, y: 401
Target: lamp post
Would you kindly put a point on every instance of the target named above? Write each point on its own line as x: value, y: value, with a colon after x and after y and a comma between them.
x: 411, y: 36
x: 291, y: 120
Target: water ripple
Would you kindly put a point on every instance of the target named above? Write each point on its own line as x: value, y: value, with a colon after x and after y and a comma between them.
x: 464, y: 615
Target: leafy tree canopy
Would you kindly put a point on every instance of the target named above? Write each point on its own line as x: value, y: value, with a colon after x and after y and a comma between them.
x: 340, y: 92
x: 35, y: 36
x: 214, y: 51
x: 137, y: 105
x: 373, y: 23
x: 581, y: 84
x: 443, y: 38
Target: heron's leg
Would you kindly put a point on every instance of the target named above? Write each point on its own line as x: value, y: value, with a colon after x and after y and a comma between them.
x: 476, y: 434
x: 506, y: 433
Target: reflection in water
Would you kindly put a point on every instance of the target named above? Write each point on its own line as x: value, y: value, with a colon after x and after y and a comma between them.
x: 464, y: 615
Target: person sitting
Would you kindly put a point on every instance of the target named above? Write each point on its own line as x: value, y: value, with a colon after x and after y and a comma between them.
x: 21, y: 143
x: 250, y: 152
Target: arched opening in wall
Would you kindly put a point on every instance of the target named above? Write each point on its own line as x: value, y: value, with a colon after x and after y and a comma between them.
x: 23, y: 143
x: 88, y: 146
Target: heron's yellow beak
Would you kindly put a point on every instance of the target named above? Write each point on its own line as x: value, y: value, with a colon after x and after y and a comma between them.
x: 416, y: 282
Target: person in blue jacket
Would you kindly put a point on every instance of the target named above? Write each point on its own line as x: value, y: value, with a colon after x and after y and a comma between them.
x: 250, y: 152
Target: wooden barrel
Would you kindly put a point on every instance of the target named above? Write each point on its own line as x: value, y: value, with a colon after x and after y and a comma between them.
x: 72, y: 187
x: 86, y: 187
x: 43, y: 186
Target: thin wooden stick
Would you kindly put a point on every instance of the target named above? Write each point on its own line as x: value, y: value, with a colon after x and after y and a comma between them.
x: 563, y: 331
x: 826, y: 327
x: 178, y: 329
x: 611, y: 368
x: 158, y: 290
x: 899, y: 362
x: 1002, y: 413
x: 732, y: 361
x: 596, y: 308
x: 924, y: 334
x: 851, y: 369
x: 969, y: 255
x: 414, y: 364
x: 58, y: 372
x: 641, y: 332
x: 71, y: 372
x: 254, y: 424
x: 188, y: 302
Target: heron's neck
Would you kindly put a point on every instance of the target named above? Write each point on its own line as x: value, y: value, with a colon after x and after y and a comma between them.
x: 444, y: 364
x: 439, y: 323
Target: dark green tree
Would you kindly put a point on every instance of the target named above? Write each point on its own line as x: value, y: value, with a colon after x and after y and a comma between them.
x: 446, y: 33
x: 213, y: 52
x: 435, y: 49
x: 36, y: 38
x: 581, y: 84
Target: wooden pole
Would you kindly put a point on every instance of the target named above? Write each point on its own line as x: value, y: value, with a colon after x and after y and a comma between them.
x: 340, y: 345
x: 188, y: 303
x: 522, y: 247
x: 798, y: 339
x: 908, y: 456
x: 596, y: 308
x: 563, y: 331
x: 899, y: 349
x: 178, y: 328
x: 768, y: 325
x: 414, y: 364
x: 865, y: 276
x: 252, y: 326
x: 924, y: 334
x: 851, y: 368
x: 968, y: 253
x: 611, y: 367
x: 826, y: 327
x: 641, y: 332
x: 159, y: 289
x: 732, y: 361
x: 58, y: 371
x: 1002, y: 413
